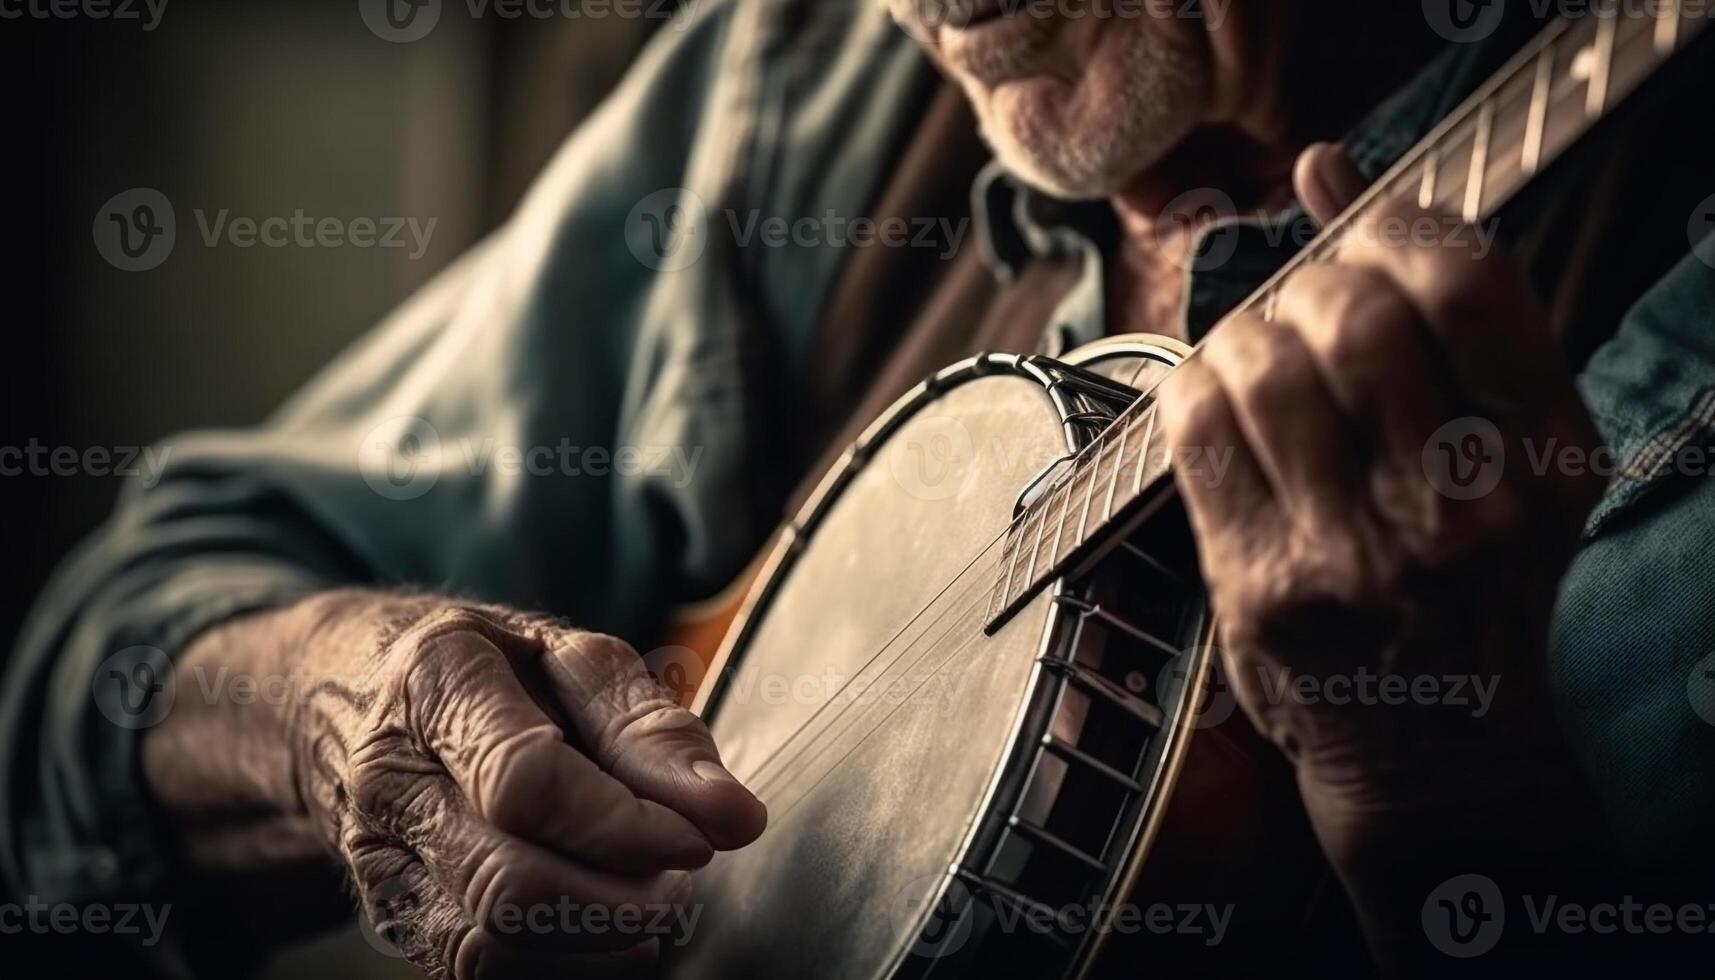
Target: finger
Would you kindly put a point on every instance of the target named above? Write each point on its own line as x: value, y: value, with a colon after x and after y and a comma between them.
x: 524, y: 895
x: 1327, y: 181
x: 515, y: 767
x: 1302, y: 442
x: 1226, y: 493
x: 640, y: 733
x: 1374, y: 353
x: 1476, y: 302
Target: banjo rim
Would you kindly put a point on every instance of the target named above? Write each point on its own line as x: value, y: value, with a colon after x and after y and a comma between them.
x: 1179, y: 722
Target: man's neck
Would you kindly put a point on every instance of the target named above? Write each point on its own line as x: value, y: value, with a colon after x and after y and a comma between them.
x: 1282, y: 90
x: 1217, y: 174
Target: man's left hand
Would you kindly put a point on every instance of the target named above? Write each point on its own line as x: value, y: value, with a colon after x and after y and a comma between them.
x: 1382, y: 553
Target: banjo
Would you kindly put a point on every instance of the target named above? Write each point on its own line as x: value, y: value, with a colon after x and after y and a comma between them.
x: 975, y: 679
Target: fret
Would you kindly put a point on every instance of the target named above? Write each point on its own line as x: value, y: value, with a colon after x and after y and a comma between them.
x: 1540, y: 92
x: 1455, y: 171
x: 1607, y: 23
x: 1089, y: 496
x: 1507, y: 132
x: 1667, y: 16
x: 1473, y: 210
x: 1008, y: 559
x: 1114, y: 477
x: 1036, y: 549
x: 1505, y: 156
x: 1566, y: 118
x: 1018, y: 552
x: 1060, y: 528
x: 1143, y: 454
x: 1635, y: 56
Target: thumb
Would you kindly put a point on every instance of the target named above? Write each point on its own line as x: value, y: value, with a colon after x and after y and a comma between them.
x: 1327, y: 181
x: 637, y: 731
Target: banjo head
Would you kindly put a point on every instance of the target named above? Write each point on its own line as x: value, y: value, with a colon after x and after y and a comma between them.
x: 894, y: 742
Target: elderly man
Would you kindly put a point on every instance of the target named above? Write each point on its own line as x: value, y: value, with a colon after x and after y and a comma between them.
x: 444, y: 742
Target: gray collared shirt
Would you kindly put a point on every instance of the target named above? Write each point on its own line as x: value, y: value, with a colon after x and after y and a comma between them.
x: 579, y: 330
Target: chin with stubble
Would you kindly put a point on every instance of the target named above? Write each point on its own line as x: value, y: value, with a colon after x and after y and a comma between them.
x: 1076, y: 105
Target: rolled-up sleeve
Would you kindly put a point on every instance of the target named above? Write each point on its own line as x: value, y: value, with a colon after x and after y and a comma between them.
x: 469, y: 446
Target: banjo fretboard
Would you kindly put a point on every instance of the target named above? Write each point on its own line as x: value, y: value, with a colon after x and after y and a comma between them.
x: 1535, y: 109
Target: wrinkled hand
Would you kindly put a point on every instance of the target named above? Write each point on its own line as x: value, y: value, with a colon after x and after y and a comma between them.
x: 435, y: 759
x: 1361, y: 532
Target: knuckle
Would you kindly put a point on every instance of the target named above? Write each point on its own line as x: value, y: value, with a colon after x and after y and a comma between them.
x: 604, y: 671
x: 646, y: 720
x: 600, y: 649
x: 443, y: 671
x: 377, y: 784
x: 1265, y: 369
x: 1193, y: 406
x: 421, y: 653
x: 1363, y: 317
x: 513, y: 778
x: 419, y: 640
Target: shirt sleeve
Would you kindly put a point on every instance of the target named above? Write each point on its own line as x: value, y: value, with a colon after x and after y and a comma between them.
x: 530, y: 429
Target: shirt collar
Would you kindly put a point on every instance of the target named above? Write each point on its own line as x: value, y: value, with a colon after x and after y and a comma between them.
x: 1235, y: 255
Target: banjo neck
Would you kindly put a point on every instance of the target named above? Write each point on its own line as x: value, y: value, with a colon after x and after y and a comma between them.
x: 1531, y: 113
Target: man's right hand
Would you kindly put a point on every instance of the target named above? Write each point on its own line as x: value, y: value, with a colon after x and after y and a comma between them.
x: 485, y: 776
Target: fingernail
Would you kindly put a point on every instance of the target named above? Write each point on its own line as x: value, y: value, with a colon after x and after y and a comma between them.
x: 712, y: 772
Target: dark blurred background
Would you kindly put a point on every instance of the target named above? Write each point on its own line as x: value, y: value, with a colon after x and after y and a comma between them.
x: 261, y: 109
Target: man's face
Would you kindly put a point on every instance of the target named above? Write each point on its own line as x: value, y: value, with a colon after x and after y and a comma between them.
x: 1075, y: 96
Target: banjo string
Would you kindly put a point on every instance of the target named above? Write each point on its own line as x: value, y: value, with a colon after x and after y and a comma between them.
x: 817, y: 747
x: 971, y: 598
x: 802, y: 739
x: 1388, y: 185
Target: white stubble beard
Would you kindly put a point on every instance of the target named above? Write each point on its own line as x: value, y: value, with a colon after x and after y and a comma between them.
x: 1097, y: 137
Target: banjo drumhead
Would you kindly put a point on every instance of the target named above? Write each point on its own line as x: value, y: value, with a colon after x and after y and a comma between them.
x: 872, y: 803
